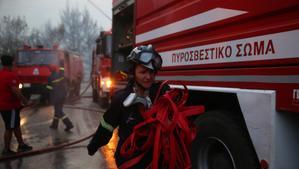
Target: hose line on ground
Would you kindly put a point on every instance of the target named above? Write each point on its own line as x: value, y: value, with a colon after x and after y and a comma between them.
x: 44, y: 150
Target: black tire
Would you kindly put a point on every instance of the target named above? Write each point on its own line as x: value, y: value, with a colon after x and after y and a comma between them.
x: 68, y: 90
x: 44, y: 99
x: 95, y: 96
x: 221, y: 143
x: 77, y: 89
x: 26, y: 95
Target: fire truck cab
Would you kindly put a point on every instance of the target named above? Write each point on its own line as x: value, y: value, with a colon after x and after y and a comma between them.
x: 239, y: 59
x: 32, y: 67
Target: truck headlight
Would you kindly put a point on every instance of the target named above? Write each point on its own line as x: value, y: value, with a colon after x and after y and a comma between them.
x: 102, y: 83
x: 20, y: 86
x: 108, y: 83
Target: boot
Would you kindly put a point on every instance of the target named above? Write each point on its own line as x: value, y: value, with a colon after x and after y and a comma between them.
x: 54, y: 124
x: 69, y: 125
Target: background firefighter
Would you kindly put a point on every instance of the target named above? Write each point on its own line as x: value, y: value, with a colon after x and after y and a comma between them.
x: 128, y: 104
x: 57, y: 87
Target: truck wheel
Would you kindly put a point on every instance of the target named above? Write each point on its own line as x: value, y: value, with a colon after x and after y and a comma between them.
x: 77, y: 89
x: 220, y: 143
x: 95, y: 96
x: 45, y: 98
x: 26, y: 95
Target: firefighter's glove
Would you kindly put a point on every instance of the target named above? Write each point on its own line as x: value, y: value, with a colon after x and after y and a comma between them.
x: 93, y: 145
x: 92, y: 148
x: 100, y: 138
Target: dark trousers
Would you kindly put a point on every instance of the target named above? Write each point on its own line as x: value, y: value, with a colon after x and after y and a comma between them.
x: 11, y: 118
x: 59, y: 114
x: 58, y: 110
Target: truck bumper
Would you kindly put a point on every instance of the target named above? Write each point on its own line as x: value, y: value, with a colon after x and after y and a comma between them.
x: 35, y: 90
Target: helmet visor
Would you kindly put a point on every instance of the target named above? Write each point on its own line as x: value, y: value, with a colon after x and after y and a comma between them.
x: 148, y: 57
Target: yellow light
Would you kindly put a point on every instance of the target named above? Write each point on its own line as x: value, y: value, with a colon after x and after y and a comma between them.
x: 102, y: 83
x: 23, y: 121
x: 108, y: 83
x: 20, y: 86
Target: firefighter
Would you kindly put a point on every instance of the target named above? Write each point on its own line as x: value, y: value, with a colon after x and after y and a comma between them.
x: 128, y: 104
x: 57, y: 87
x: 11, y: 101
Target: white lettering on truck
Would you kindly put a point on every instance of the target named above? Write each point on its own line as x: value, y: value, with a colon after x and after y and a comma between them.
x: 222, y: 52
x: 266, y: 47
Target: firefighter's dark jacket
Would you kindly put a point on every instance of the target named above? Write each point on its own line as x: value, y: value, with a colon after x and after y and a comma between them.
x: 57, y: 87
x: 125, y: 118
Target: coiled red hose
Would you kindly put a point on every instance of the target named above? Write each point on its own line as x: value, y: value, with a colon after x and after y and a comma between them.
x: 166, y: 130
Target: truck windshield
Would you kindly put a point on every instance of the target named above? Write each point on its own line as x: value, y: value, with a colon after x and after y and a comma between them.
x: 36, y: 57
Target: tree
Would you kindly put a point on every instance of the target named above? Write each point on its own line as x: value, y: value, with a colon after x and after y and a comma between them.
x: 35, y: 37
x: 52, y: 35
x: 12, y: 34
x: 80, y: 32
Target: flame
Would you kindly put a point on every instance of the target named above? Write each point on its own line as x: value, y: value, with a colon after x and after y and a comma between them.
x: 109, y: 150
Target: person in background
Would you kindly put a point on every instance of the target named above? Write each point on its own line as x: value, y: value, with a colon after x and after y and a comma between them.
x: 11, y: 101
x: 57, y: 87
x: 127, y: 105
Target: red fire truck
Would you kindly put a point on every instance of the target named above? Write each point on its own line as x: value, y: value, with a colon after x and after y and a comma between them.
x: 32, y: 68
x: 239, y: 59
x: 101, y: 79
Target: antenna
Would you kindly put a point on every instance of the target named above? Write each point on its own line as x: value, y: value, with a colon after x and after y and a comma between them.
x: 100, y: 10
